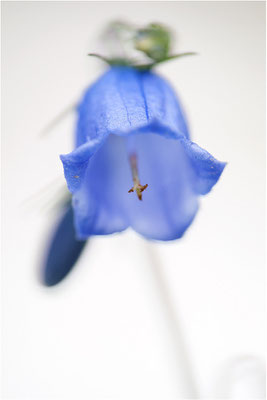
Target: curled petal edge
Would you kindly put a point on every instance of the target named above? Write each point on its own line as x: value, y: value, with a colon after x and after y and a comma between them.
x: 75, y: 163
x: 207, y: 169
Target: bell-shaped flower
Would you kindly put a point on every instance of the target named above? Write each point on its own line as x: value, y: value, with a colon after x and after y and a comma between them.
x: 132, y: 137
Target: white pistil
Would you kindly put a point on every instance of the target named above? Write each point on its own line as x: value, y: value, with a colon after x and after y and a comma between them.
x: 137, y: 187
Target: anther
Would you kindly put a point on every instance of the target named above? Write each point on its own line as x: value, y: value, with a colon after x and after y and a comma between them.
x: 137, y: 187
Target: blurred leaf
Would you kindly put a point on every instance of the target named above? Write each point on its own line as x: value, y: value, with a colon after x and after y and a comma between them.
x: 63, y: 251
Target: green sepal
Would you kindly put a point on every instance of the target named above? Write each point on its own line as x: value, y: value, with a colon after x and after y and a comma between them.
x: 152, y: 42
x: 134, y: 64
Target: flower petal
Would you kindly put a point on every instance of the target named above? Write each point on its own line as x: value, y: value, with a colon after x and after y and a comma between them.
x: 99, y: 203
x: 103, y: 205
x: 207, y: 169
x: 163, y: 106
x: 125, y: 100
x: 170, y: 202
x: 176, y: 172
x: 75, y: 163
x: 64, y: 250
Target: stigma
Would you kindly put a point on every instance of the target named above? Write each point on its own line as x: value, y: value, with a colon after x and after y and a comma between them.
x: 137, y: 187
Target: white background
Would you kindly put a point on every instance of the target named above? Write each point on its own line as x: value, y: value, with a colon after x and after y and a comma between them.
x: 129, y: 318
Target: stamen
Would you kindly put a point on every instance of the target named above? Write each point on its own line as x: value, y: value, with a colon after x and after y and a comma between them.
x: 137, y: 187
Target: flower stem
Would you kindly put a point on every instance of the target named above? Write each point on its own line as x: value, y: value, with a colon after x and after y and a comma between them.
x: 185, y: 369
x: 56, y: 120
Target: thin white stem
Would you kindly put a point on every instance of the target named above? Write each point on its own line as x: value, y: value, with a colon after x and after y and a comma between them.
x: 58, y: 118
x: 185, y: 370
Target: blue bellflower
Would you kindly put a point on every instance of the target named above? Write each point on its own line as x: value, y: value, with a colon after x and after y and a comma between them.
x: 132, y: 136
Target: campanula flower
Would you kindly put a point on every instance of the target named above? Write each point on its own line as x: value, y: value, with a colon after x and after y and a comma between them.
x: 132, y: 136
x: 134, y: 164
